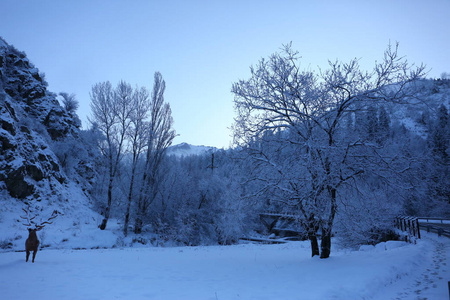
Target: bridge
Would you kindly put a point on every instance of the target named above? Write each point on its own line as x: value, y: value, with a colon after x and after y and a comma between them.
x: 283, y: 224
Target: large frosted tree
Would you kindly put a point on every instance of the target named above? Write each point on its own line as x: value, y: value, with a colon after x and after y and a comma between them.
x: 290, y: 120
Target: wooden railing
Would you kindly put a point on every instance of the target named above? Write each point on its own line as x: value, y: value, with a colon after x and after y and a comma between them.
x: 437, y: 225
x: 409, y: 225
x: 413, y: 225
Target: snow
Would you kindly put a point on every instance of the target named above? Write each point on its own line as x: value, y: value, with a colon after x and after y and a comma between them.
x: 185, y: 150
x: 75, y: 227
x: 246, y: 271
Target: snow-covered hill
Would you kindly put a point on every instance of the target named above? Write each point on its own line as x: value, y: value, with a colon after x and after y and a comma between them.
x: 184, y: 149
x: 432, y: 94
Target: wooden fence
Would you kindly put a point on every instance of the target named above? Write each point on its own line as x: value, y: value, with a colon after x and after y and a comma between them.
x: 413, y: 225
x: 409, y: 225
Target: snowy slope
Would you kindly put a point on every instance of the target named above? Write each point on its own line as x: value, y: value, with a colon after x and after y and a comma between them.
x: 184, y: 149
x: 393, y: 270
x: 75, y: 227
x: 432, y: 93
x: 33, y: 127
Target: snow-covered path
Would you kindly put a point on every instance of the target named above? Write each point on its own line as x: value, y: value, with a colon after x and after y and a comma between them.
x: 433, y: 276
x: 389, y: 271
x: 430, y: 279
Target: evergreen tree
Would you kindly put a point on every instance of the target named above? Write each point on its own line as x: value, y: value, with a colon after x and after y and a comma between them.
x: 383, y: 128
x: 440, y: 134
x: 371, y: 125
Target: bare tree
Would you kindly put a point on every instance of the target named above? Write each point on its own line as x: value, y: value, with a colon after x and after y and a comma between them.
x: 300, y: 115
x: 111, y: 110
x: 160, y: 137
x: 137, y: 137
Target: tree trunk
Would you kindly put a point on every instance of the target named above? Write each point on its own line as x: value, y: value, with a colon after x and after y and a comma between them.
x: 141, y: 207
x: 130, y: 198
x: 325, y: 244
x: 127, y: 220
x: 314, y: 245
x: 108, y: 207
x: 311, y: 228
x: 138, y: 221
x: 103, y: 225
x: 138, y: 225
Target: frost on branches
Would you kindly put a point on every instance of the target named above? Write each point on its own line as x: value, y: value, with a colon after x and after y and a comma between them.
x: 291, y: 122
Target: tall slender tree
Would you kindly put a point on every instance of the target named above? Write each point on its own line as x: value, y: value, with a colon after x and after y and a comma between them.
x: 160, y: 137
x: 137, y: 136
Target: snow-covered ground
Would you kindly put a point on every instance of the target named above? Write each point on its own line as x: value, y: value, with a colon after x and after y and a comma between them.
x: 392, y: 270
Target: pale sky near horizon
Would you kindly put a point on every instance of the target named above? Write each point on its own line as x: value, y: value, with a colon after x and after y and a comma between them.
x: 202, y: 47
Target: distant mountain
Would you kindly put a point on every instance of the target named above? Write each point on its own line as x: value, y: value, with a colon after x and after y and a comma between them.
x: 184, y: 150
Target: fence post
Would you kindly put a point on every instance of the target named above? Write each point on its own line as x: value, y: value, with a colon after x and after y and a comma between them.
x: 409, y: 227
x: 418, y: 227
x: 413, y: 228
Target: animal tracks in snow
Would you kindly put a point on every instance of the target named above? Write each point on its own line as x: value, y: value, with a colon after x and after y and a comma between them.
x: 430, y: 283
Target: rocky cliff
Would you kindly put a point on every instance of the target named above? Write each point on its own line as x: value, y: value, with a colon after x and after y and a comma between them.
x: 31, y: 118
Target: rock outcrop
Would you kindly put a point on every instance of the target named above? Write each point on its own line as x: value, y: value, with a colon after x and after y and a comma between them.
x: 31, y: 119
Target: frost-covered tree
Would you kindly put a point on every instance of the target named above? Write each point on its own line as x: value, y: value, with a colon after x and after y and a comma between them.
x: 201, y: 205
x: 440, y: 135
x: 160, y: 134
x: 371, y: 125
x: 436, y: 168
x: 290, y: 120
x: 137, y: 137
x: 70, y: 102
x: 111, y: 109
x: 383, y: 126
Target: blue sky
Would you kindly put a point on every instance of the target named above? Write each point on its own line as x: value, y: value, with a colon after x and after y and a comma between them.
x: 202, y: 47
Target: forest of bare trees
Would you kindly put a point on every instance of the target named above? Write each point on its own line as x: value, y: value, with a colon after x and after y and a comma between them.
x: 132, y: 122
